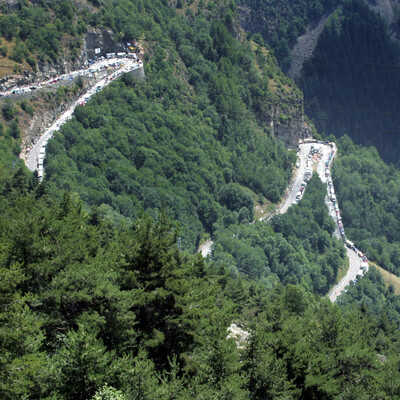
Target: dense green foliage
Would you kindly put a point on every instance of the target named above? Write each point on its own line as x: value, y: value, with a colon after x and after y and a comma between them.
x: 368, y: 192
x: 373, y: 298
x: 202, y: 157
x: 43, y: 30
x: 9, y: 146
x: 297, y: 247
x: 38, y: 28
x: 94, y: 305
x: 90, y: 312
x: 10, y: 134
x: 79, y: 301
x: 362, y: 37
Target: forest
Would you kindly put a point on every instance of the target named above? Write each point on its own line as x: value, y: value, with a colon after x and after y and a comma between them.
x: 375, y: 299
x: 89, y: 311
x: 368, y: 192
x: 102, y: 296
x: 295, y: 248
x: 287, y: 20
x: 38, y: 34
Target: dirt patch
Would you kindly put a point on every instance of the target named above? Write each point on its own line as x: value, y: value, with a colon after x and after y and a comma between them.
x: 263, y: 210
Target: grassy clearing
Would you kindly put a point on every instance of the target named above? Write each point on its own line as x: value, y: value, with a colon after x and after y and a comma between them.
x: 8, y: 66
x: 389, y: 278
x: 261, y: 210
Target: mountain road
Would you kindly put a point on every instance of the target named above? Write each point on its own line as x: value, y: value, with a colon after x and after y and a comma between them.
x: 35, y: 156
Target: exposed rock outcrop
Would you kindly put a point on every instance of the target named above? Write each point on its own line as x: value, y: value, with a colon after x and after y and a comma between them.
x: 305, y: 46
x: 96, y: 38
x: 291, y: 131
x: 101, y: 39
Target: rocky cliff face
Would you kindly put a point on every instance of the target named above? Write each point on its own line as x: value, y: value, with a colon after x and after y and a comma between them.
x: 96, y: 38
x: 291, y: 130
x: 102, y: 40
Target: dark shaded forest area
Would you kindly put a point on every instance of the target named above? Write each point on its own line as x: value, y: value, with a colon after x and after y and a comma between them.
x: 351, y: 83
x: 369, y: 81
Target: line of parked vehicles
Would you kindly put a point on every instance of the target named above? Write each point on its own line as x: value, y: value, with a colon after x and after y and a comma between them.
x: 91, y: 67
x: 333, y: 199
x: 314, y: 155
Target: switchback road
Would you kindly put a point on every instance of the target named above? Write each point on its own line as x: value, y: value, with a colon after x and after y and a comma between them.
x: 322, y: 166
x: 320, y: 162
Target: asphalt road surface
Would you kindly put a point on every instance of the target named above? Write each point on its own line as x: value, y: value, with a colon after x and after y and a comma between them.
x: 352, y: 273
x: 305, y: 163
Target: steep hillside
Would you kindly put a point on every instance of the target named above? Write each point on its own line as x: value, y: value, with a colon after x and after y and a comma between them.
x: 305, y: 45
x: 363, y: 35
x: 362, y: 92
x: 102, y: 298
x: 280, y: 23
x: 368, y: 191
x: 197, y: 138
x: 40, y: 33
x: 295, y: 248
x: 389, y: 10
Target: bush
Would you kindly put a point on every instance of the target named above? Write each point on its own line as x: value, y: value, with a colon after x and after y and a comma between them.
x: 233, y: 197
x: 27, y: 107
x: 31, y: 62
x: 8, y: 110
x: 19, y: 53
x: 14, y: 130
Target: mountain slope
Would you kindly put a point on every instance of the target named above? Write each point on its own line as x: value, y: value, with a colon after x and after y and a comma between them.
x: 194, y: 138
x: 97, y: 306
x: 362, y: 36
x: 369, y: 81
